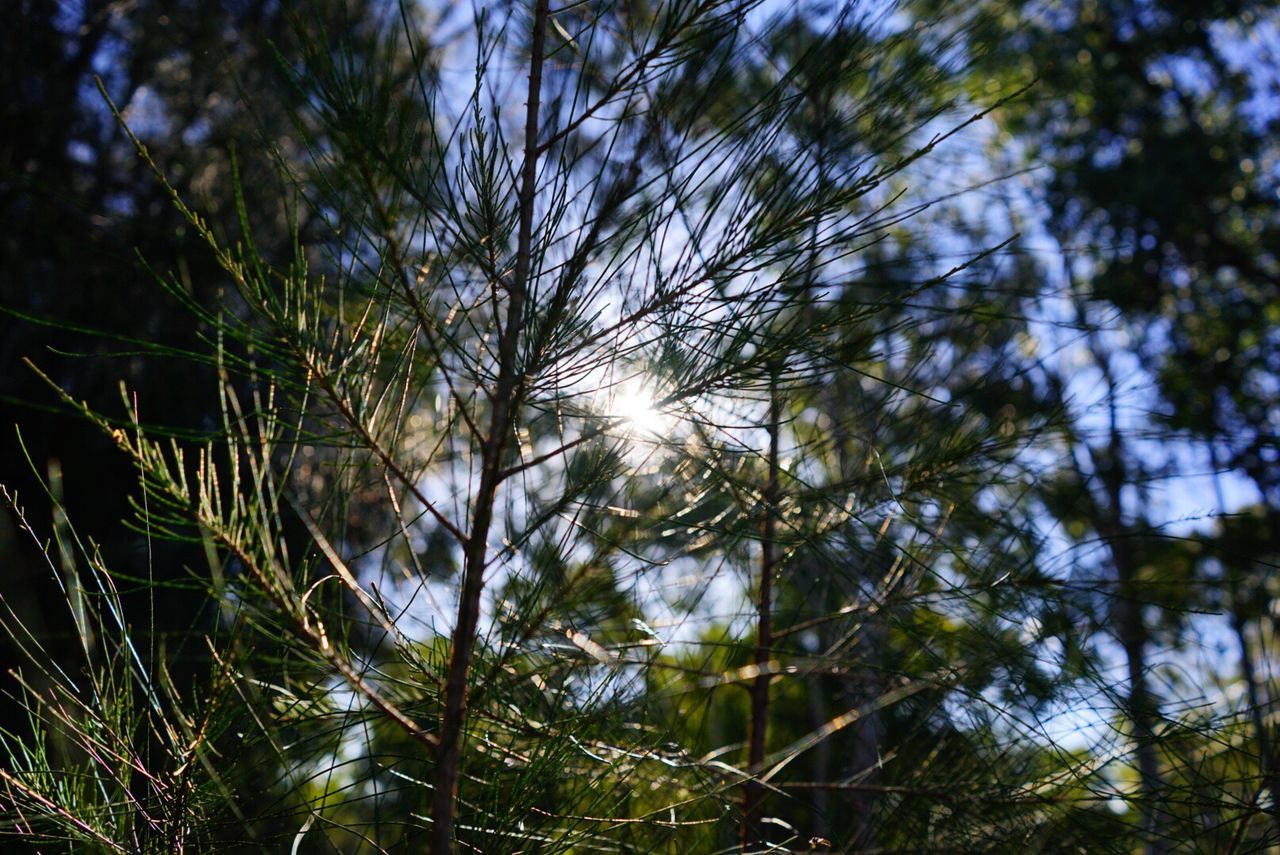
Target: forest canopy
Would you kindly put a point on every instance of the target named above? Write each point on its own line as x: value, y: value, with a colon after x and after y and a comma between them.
x: 674, y: 426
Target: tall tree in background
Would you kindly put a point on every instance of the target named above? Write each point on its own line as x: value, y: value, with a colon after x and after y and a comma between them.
x: 1153, y: 128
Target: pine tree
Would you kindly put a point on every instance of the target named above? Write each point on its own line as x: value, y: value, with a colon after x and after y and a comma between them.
x: 613, y: 384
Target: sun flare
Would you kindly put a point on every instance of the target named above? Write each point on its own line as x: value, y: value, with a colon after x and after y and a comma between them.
x: 636, y: 406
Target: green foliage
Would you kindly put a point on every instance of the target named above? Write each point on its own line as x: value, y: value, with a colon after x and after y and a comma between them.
x: 626, y: 432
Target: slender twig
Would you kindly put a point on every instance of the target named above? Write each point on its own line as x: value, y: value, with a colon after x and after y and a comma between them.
x: 57, y: 809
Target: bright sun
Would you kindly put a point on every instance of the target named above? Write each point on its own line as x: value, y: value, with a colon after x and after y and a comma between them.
x: 635, y: 404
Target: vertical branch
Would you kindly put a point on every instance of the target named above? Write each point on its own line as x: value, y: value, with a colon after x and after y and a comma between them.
x: 753, y: 791
x: 1266, y: 760
x: 1253, y: 688
x: 1143, y: 711
x: 476, y: 548
x: 1106, y: 511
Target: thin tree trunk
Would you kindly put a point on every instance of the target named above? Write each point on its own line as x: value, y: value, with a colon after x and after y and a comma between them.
x: 753, y: 791
x: 1132, y: 632
x: 1141, y: 716
x: 818, y: 716
x: 1113, y: 472
x: 1266, y: 759
x: 476, y: 550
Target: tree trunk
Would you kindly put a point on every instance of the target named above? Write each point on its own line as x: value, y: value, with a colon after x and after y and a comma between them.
x: 753, y: 792
x: 505, y: 402
x: 1142, y: 715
